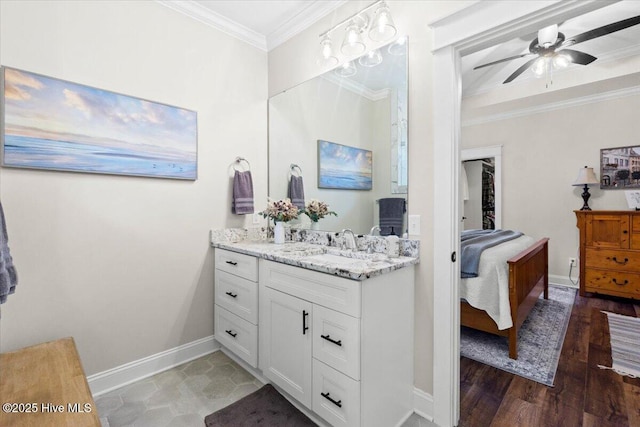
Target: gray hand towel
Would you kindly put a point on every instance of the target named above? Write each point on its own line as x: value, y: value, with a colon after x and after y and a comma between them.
x: 8, y: 275
x: 242, y: 202
x: 391, y: 213
x: 296, y: 191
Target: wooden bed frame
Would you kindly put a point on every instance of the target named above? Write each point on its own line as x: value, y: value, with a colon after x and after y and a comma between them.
x: 528, y: 278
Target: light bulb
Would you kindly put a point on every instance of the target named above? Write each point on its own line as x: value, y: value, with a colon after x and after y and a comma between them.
x: 539, y: 67
x: 382, y: 27
x: 353, y: 44
x: 561, y: 61
x: 327, y: 58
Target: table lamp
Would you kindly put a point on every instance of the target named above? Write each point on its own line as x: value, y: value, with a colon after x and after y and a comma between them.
x: 586, y: 177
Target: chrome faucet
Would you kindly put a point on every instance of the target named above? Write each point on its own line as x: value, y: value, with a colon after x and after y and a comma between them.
x: 349, y: 243
x: 370, y: 243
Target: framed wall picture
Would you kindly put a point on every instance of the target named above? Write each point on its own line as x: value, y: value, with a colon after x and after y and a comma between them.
x: 54, y: 124
x: 343, y: 167
x: 620, y: 167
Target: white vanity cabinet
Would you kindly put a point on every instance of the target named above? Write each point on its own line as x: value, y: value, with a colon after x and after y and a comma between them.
x: 236, y: 304
x: 342, y: 348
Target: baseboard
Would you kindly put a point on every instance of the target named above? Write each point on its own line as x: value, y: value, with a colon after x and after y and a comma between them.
x: 131, y: 372
x: 423, y: 404
x: 563, y: 281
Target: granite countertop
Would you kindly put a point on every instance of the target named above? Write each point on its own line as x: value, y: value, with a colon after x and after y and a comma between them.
x: 337, y: 262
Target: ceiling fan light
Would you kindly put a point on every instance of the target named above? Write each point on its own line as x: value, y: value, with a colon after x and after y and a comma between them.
x: 548, y: 35
x: 539, y: 67
x: 561, y: 61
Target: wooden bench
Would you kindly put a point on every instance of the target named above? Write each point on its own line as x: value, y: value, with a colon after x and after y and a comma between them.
x: 45, y: 385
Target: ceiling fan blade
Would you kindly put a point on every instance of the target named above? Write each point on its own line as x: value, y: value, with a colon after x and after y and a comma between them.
x: 520, y: 70
x: 578, y: 57
x: 503, y: 60
x: 603, y: 31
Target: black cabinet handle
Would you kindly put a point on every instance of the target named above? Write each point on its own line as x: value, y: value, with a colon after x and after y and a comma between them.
x: 230, y: 332
x: 625, y: 231
x: 231, y: 294
x: 620, y: 284
x: 232, y: 262
x: 328, y: 338
x: 304, y: 322
x: 328, y: 397
x: 614, y: 259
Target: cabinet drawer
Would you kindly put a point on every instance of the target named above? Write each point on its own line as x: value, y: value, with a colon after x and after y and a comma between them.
x: 610, y: 259
x: 635, y: 240
x: 237, y: 335
x: 336, y: 397
x: 336, y: 340
x: 617, y: 283
x: 340, y: 294
x: 242, y: 265
x: 238, y: 295
x: 635, y: 223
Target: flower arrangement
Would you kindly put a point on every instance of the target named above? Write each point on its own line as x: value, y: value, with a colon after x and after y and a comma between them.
x: 316, y: 210
x: 280, y: 210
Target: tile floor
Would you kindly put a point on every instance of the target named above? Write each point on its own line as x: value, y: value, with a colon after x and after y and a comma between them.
x: 184, y: 395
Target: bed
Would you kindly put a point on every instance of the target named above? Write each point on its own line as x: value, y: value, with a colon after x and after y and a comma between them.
x: 520, y: 268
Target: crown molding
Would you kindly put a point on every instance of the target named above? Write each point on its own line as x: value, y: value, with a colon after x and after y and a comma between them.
x: 583, y: 100
x: 303, y: 20
x: 298, y: 23
x: 217, y: 21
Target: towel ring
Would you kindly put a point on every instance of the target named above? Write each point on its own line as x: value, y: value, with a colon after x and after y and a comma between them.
x: 295, y: 169
x: 238, y: 163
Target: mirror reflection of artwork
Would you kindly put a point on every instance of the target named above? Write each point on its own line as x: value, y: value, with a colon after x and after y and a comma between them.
x: 343, y: 167
x: 633, y: 199
x: 620, y: 167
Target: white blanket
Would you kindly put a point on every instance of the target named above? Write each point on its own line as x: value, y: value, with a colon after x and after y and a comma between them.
x: 490, y: 290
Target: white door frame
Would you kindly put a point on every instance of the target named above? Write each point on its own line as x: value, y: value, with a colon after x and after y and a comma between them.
x: 481, y: 25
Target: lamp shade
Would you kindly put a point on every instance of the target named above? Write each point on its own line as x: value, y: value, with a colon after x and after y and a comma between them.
x: 586, y: 176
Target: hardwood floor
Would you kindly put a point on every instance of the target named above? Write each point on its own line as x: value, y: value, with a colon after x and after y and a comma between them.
x: 583, y: 394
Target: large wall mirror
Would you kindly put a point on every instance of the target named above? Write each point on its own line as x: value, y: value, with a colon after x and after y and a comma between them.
x: 362, y: 109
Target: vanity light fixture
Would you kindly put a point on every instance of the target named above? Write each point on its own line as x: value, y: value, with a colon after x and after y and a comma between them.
x: 379, y: 29
x: 347, y: 69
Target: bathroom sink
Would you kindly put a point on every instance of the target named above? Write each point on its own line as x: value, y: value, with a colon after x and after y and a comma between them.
x: 300, y: 250
x: 331, y: 259
x: 359, y: 255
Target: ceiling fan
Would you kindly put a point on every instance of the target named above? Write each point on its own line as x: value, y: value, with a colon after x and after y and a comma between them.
x: 550, y: 48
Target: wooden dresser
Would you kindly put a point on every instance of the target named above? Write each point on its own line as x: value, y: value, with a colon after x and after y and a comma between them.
x: 610, y: 253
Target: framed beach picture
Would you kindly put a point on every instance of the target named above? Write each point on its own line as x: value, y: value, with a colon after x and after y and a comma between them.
x: 620, y: 167
x: 54, y: 124
x: 344, y: 167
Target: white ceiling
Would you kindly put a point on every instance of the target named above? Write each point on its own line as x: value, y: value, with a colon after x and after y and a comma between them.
x: 263, y: 23
x: 615, y: 46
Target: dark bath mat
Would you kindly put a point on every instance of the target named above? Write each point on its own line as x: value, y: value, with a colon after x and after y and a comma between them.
x: 265, y: 407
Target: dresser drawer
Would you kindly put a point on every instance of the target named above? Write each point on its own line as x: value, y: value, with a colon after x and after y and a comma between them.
x: 340, y: 294
x: 610, y: 282
x: 336, y: 397
x: 239, y: 264
x: 238, y: 335
x: 238, y: 295
x: 635, y: 240
x: 611, y: 259
x: 336, y: 340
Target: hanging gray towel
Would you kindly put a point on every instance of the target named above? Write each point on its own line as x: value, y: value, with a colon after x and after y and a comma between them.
x: 8, y: 275
x: 296, y: 191
x: 242, y: 202
x: 391, y: 213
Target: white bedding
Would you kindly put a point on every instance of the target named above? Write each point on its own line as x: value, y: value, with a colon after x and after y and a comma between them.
x: 490, y: 290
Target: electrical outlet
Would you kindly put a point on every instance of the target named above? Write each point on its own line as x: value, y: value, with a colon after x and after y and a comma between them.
x: 256, y: 218
x: 572, y: 261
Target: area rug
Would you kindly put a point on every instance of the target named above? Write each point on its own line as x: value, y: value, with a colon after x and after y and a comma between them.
x: 625, y: 344
x: 265, y: 407
x: 539, y: 340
